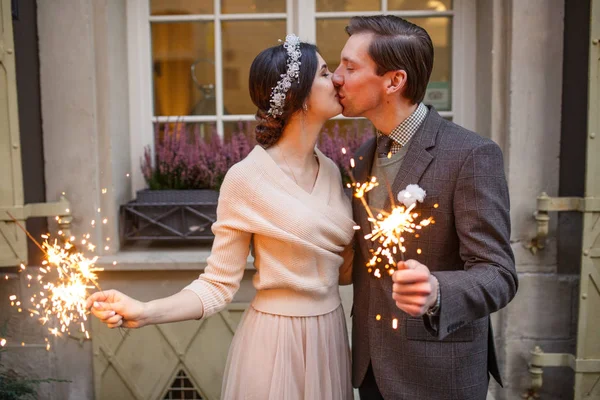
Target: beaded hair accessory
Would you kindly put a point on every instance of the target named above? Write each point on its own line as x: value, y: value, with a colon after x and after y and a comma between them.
x: 278, y: 93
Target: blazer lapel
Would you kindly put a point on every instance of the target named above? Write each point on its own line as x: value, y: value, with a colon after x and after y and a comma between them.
x: 415, y: 163
x: 363, y: 160
x: 417, y: 158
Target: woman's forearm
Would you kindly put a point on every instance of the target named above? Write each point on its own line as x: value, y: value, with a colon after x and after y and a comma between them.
x: 182, y: 306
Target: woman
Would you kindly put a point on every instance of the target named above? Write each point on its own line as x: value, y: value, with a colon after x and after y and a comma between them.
x: 285, y: 201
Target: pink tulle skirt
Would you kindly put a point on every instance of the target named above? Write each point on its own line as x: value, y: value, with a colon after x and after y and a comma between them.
x: 289, y: 358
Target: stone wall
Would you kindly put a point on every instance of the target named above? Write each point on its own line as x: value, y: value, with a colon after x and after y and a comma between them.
x: 83, y: 67
x: 526, y: 60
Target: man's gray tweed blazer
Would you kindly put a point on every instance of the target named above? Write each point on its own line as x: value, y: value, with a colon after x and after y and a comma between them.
x: 467, y: 249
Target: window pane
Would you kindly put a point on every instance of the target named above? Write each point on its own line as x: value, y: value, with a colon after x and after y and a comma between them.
x: 181, y: 7
x: 331, y: 38
x: 432, y: 5
x: 439, y: 89
x: 183, y: 68
x: 348, y: 5
x: 249, y: 6
x: 242, y: 41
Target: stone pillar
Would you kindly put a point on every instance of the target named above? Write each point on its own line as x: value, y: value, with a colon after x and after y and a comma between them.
x: 83, y: 79
x: 525, y: 114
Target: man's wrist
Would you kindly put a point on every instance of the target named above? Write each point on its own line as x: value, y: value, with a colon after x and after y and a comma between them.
x: 435, y: 308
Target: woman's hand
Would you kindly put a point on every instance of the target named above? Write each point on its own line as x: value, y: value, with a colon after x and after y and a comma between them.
x: 116, y: 309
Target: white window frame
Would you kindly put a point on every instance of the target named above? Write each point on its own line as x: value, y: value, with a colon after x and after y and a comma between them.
x: 301, y: 17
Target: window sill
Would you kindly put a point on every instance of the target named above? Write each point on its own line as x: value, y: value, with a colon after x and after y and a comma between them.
x: 159, y: 260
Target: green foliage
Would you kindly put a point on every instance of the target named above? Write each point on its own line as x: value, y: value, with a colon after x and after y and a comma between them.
x: 13, y: 386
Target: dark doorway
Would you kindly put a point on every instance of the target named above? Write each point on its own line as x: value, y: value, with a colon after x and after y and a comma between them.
x: 30, y: 117
x: 573, y: 130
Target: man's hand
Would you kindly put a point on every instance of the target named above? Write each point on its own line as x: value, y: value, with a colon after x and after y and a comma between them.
x: 415, y: 289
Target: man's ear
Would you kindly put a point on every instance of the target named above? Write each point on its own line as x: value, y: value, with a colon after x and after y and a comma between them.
x: 396, y: 80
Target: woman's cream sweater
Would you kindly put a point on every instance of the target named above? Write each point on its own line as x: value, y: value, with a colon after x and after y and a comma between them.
x: 300, y: 240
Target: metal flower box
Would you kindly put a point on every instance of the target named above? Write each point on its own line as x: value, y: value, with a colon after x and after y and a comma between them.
x: 169, y: 215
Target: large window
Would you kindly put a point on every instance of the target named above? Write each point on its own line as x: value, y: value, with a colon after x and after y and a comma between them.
x: 189, y: 59
x: 201, y: 54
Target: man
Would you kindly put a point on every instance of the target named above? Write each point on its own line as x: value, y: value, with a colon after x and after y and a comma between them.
x: 458, y: 270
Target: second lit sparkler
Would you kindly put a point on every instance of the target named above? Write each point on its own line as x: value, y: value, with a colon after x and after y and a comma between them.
x: 390, y: 227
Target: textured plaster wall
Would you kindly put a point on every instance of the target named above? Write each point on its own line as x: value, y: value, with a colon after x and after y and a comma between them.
x: 544, y: 311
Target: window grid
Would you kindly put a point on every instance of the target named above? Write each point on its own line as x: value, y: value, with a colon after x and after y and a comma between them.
x: 217, y: 17
x: 212, y: 17
x: 403, y: 14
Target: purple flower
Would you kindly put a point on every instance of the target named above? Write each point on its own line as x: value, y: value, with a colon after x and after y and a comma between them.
x: 184, y: 159
x: 332, y: 141
x: 189, y: 156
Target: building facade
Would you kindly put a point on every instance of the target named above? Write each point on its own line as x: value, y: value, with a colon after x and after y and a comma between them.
x: 95, y: 76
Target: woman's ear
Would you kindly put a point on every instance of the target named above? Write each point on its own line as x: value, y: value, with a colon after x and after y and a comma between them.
x: 396, y: 81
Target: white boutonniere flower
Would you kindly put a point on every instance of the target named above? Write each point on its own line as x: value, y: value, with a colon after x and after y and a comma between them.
x: 411, y: 195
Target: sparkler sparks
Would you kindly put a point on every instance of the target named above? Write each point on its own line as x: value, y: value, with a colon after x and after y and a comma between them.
x: 65, y: 278
x: 389, y: 228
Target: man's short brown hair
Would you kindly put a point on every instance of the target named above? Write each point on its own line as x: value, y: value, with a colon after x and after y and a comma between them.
x: 398, y: 45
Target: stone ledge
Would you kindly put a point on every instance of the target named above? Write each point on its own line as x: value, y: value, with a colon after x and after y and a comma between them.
x: 159, y: 259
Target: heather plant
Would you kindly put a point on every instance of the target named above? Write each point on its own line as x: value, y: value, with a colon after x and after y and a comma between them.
x: 332, y: 141
x: 184, y: 160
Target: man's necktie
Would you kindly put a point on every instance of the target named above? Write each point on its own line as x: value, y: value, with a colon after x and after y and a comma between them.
x: 384, y: 144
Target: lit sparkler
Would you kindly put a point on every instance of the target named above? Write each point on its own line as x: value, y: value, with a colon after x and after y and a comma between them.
x: 65, y: 278
x: 388, y: 228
